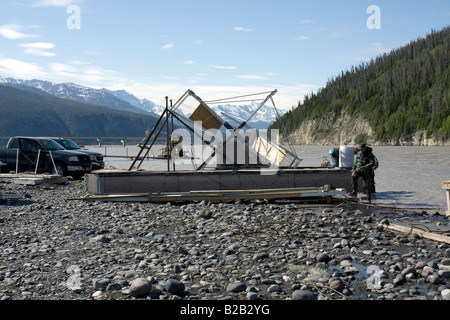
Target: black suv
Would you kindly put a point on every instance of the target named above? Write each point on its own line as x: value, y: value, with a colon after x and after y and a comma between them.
x: 96, y: 157
x: 44, y: 155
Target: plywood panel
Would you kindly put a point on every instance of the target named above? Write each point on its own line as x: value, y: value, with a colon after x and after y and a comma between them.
x: 207, y: 117
x: 273, y: 153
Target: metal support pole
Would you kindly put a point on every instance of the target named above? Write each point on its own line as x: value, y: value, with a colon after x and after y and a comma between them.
x: 53, y: 161
x: 17, y: 161
x: 257, y: 109
x: 171, y: 130
x: 37, y: 162
x: 167, y: 134
x: 146, y: 141
x: 154, y: 140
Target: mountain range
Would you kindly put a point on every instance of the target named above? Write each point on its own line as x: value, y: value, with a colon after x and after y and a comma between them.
x: 124, y: 101
x: 29, y: 112
x: 261, y: 120
x: 74, y: 92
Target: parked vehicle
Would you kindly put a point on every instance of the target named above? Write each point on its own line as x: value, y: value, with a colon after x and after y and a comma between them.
x: 97, y: 158
x: 38, y: 154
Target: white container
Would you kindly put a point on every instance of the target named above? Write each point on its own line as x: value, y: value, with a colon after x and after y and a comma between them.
x: 346, y: 156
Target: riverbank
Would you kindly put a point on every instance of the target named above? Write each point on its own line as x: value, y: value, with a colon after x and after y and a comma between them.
x: 53, y: 248
x: 408, y: 176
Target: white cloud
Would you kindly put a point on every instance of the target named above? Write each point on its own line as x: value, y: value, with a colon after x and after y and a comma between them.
x: 251, y: 77
x: 83, y: 73
x: 77, y: 62
x: 39, y: 48
x: 189, y: 62
x: 223, y: 67
x: 376, y: 47
x: 53, y: 3
x: 241, y: 29
x: 302, y: 38
x: 367, y: 53
x: 62, y: 69
x: 287, y: 96
x: 11, y: 31
x: 167, y: 46
x: 21, y: 69
x: 307, y: 21
x: 336, y: 35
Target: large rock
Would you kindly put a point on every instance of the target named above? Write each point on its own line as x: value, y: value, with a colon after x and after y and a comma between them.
x: 140, y: 287
x: 445, y: 294
x: 237, y: 286
x: 337, y: 284
x: 174, y: 286
x: 303, y: 295
x: 323, y: 257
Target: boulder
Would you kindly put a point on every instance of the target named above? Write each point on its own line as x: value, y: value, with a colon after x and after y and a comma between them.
x: 140, y: 287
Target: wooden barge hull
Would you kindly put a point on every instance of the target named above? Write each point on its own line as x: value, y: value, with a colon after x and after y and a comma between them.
x: 118, y: 182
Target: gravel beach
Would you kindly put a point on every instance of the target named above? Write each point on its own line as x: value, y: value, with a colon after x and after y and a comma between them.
x: 56, y: 248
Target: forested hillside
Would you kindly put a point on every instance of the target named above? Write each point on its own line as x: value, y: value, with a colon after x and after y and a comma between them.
x: 398, y: 93
x: 23, y: 112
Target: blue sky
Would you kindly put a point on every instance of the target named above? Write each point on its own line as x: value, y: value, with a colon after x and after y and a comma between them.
x: 217, y: 48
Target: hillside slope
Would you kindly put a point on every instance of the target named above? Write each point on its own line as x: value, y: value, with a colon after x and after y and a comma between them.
x: 399, y: 98
x: 75, y: 92
x: 27, y: 113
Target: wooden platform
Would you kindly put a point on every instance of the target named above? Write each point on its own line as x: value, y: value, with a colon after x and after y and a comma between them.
x: 34, y: 179
x: 119, y: 182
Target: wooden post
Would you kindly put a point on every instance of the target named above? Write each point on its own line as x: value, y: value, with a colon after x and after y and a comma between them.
x: 446, y: 186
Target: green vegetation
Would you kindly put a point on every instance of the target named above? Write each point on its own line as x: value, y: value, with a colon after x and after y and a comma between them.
x: 26, y: 113
x: 361, y: 138
x: 399, y: 93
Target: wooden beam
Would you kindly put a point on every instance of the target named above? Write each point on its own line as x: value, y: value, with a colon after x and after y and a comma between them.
x: 211, y: 195
x: 407, y: 230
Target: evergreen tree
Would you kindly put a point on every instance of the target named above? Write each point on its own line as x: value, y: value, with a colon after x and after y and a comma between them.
x: 399, y: 93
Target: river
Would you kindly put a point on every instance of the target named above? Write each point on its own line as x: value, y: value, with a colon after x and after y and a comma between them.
x: 407, y: 176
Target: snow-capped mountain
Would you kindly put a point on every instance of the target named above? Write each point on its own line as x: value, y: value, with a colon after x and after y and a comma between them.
x: 125, y: 101
x: 261, y: 120
x: 75, y: 92
x: 143, y: 104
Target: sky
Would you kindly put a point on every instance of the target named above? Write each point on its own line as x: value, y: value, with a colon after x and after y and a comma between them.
x: 216, y: 48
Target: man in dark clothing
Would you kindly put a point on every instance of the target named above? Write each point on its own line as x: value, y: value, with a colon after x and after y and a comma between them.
x: 363, y: 167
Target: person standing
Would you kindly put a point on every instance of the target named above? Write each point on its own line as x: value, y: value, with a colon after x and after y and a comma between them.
x: 363, y: 167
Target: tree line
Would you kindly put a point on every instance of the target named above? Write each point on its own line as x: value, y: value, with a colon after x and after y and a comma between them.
x: 399, y: 93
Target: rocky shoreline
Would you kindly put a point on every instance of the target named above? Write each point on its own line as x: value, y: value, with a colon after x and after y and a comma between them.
x: 55, y: 248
